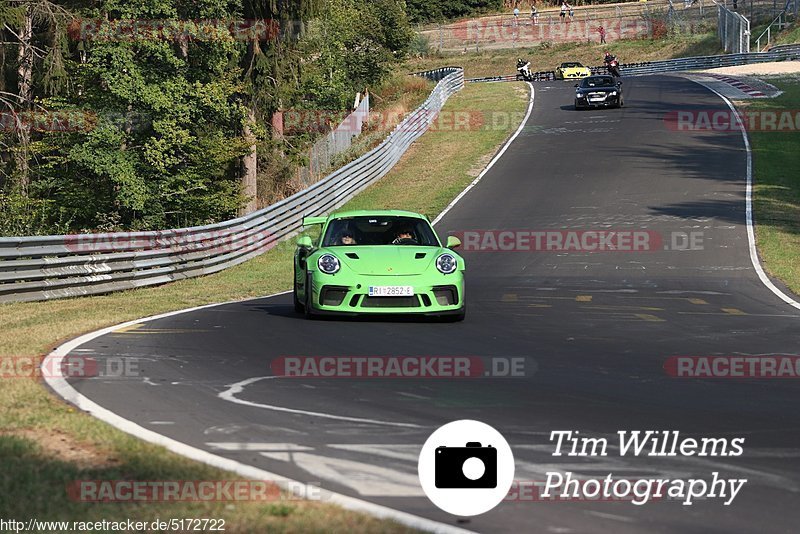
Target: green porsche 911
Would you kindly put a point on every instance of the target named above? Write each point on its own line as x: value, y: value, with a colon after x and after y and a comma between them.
x: 367, y: 262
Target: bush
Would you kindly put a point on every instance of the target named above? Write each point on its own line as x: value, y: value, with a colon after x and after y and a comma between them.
x: 428, y: 10
x: 20, y: 216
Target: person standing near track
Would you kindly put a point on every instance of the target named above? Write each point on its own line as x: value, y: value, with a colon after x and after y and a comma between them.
x: 563, y: 13
x: 602, y: 31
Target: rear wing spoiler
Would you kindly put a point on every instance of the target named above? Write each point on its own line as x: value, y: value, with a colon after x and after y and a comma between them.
x: 311, y: 221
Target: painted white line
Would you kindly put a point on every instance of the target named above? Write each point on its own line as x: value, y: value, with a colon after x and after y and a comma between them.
x: 257, y: 447
x: 234, y: 389
x: 63, y: 388
x: 497, y: 157
x: 371, y: 480
x: 751, y: 232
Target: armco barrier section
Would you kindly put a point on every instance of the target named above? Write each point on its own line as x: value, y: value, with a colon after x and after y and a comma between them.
x: 49, y: 267
x: 776, y: 53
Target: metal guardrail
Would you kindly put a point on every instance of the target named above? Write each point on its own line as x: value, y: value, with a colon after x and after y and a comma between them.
x: 50, y: 267
x: 776, y: 53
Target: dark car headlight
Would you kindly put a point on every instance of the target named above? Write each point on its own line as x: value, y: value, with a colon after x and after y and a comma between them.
x: 328, y: 264
x: 446, y: 263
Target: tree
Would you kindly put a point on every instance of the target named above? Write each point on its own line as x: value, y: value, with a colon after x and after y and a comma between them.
x: 36, y: 28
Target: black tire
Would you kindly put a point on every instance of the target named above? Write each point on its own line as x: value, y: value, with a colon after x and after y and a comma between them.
x: 298, y: 306
x: 307, y: 308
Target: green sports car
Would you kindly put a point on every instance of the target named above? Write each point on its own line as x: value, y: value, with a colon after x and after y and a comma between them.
x: 368, y: 262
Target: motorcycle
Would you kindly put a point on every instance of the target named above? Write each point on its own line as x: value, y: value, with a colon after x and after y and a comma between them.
x: 613, y: 67
x: 524, y: 72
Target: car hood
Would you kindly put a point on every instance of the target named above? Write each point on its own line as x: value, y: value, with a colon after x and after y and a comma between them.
x: 389, y: 260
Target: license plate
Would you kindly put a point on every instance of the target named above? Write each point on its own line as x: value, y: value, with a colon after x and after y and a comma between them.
x: 391, y: 291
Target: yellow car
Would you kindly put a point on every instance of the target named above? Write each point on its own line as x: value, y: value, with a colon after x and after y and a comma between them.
x: 572, y: 70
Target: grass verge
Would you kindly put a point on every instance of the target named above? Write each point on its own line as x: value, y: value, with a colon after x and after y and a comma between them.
x: 789, y: 35
x: 45, y: 444
x: 500, y: 62
x: 776, y: 192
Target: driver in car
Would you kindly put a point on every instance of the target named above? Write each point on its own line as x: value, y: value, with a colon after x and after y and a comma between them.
x: 347, y: 239
x: 404, y: 236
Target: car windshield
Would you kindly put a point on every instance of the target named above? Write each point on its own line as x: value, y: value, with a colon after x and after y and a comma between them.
x: 379, y: 230
x: 598, y: 81
x: 571, y: 65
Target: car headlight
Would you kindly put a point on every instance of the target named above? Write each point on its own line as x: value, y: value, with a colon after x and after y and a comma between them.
x: 328, y: 264
x: 613, y: 93
x: 446, y: 263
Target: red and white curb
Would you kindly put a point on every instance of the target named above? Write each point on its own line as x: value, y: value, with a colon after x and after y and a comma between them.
x: 738, y: 84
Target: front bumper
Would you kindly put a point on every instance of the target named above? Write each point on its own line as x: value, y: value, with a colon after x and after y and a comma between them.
x: 572, y: 75
x: 595, y: 101
x: 433, y: 295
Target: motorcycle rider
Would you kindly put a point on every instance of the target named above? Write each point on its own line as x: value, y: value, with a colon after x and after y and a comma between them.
x: 611, y: 64
x: 524, y: 68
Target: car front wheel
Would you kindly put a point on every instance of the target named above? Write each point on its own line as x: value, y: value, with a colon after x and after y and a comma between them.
x: 308, y: 308
x: 298, y: 306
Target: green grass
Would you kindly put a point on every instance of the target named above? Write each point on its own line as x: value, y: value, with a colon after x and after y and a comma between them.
x: 788, y: 36
x: 417, y: 183
x: 496, y: 62
x: 44, y: 443
x: 776, y: 199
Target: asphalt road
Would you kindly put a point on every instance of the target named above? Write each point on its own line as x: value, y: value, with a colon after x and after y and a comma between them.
x: 594, y: 329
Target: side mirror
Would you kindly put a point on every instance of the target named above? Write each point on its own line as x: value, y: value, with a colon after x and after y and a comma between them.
x: 453, y: 242
x: 576, y: 85
x: 305, y: 242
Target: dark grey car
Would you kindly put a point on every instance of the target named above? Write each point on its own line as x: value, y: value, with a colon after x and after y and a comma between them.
x: 598, y: 91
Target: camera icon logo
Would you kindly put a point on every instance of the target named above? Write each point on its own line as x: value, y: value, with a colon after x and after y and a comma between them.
x: 472, y: 466
x: 463, y: 476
